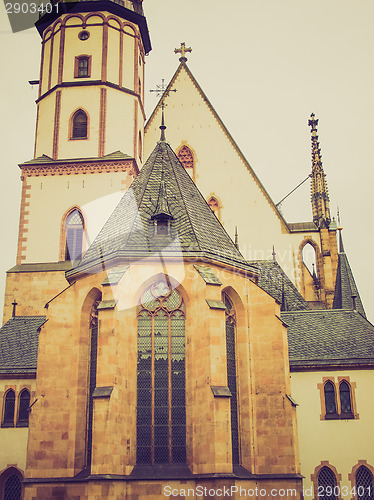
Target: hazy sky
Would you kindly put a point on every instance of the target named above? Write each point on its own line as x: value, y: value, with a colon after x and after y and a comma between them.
x: 265, y: 65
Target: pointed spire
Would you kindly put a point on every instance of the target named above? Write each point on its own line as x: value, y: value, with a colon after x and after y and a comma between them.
x: 236, y: 238
x: 320, y: 197
x: 162, y: 126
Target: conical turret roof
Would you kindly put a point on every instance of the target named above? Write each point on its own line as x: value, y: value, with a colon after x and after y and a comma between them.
x: 130, y: 233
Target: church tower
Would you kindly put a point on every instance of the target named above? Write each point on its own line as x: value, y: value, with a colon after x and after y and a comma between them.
x: 88, y: 139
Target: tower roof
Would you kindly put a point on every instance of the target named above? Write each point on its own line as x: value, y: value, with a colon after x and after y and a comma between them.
x: 346, y: 294
x: 131, y: 231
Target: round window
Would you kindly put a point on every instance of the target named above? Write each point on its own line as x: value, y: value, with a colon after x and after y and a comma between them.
x: 83, y: 35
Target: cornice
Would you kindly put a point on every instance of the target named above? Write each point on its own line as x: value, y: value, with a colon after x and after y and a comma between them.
x: 85, y: 167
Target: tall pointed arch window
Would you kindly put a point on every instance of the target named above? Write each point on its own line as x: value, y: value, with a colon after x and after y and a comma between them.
x: 74, y: 229
x: 79, y: 125
x: 364, y: 483
x: 23, y: 409
x: 186, y: 158
x: 161, y: 399
x: 345, y: 399
x: 330, y: 399
x: 9, y: 409
x: 231, y: 375
x: 12, y: 488
x: 94, y: 328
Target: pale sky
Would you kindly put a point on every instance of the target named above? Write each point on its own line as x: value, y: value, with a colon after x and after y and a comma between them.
x: 265, y: 65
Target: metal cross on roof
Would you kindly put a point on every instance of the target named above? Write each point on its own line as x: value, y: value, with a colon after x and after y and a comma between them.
x: 182, y: 51
x: 162, y: 92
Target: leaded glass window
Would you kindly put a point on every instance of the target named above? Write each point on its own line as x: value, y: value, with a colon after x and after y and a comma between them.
x: 79, y: 129
x: 161, y: 400
x: 74, y: 236
x: 12, y: 488
x: 326, y: 484
x: 231, y: 375
x: 9, y: 407
x: 23, y: 412
x: 345, y: 398
x: 330, y: 403
x: 83, y: 67
x: 364, y: 483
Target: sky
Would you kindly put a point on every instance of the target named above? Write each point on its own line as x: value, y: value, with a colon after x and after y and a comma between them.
x: 265, y: 65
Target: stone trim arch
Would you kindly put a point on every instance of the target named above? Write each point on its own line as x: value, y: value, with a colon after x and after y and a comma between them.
x: 352, y: 476
x: 6, y: 473
x: 314, y: 478
x: 213, y: 198
x: 70, y: 127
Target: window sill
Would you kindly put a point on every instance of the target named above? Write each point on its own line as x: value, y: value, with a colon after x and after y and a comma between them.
x: 6, y: 425
x: 22, y: 424
x: 342, y: 416
x: 78, y: 138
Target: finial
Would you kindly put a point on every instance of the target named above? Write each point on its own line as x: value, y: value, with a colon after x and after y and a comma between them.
x: 162, y: 126
x: 341, y: 246
x: 14, y: 304
x: 274, y: 254
x: 236, y: 238
x: 182, y: 51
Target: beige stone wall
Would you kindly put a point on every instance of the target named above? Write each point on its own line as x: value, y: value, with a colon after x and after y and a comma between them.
x: 340, y: 442
x: 14, y: 439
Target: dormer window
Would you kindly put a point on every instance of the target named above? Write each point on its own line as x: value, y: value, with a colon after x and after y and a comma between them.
x: 162, y: 227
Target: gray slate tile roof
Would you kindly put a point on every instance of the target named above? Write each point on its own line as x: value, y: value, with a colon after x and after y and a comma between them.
x: 195, y: 230
x: 329, y: 337
x: 19, y: 338
x: 274, y: 281
x: 114, y: 156
x: 345, y: 287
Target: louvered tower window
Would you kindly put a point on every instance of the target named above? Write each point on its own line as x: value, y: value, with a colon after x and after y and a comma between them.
x: 74, y: 236
x: 161, y: 400
x: 12, y: 488
x: 330, y: 403
x: 364, y: 483
x: 23, y: 412
x: 231, y: 375
x: 9, y: 407
x: 345, y: 398
x: 94, y: 325
x: 326, y: 484
x: 79, y: 125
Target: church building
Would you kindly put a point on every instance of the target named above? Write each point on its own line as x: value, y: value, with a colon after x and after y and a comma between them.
x: 144, y: 352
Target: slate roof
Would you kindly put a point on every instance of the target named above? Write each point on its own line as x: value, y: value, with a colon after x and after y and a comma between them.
x: 345, y: 287
x: 129, y: 233
x: 329, y: 338
x: 19, y: 338
x: 276, y: 283
x: 44, y: 159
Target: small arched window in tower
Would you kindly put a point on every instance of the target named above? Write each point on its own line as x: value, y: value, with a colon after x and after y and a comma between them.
x: 345, y: 399
x: 82, y: 68
x: 23, y: 410
x: 9, y: 408
x: 326, y: 484
x: 364, y: 483
x: 330, y: 400
x: 231, y: 375
x: 79, y: 125
x: 74, y: 228
x: 186, y: 158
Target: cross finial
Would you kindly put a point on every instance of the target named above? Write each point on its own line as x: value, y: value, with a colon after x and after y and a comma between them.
x: 182, y: 51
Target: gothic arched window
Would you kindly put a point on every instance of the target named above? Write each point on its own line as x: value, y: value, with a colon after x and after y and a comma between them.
x: 330, y: 401
x: 345, y: 398
x: 79, y: 125
x: 186, y: 158
x: 364, y: 483
x: 327, y: 484
x: 23, y: 410
x: 231, y: 375
x: 214, y: 205
x: 161, y: 399
x: 9, y: 408
x: 74, y: 235
x: 12, y: 488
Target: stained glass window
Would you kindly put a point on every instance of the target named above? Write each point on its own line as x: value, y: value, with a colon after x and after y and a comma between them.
x: 231, y: 376
x: 23, y: 412
x: 345, y: 398
x: 161, y: 400
x: 330, y: 399
x: 327, y: 484
x: 74, y: 235
x: 9, y: 407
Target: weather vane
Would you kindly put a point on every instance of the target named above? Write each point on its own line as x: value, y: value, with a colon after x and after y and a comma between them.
x: 162, y: 91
